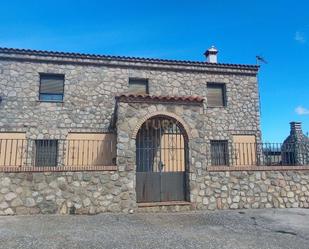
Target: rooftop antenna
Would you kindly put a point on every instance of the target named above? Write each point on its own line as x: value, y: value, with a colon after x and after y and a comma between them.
x: 259, y: 59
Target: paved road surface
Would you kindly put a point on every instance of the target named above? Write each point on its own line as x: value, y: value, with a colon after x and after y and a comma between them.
x: 271, y: 228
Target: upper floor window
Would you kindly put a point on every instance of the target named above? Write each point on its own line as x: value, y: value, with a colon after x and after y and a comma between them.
x: 51, y: 87
x: 138, y: 86
x: 216, y: 94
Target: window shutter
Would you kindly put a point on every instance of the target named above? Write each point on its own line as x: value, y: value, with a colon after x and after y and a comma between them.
x: 52, y: 84
x: 138, y: 86
x: 215, y: 95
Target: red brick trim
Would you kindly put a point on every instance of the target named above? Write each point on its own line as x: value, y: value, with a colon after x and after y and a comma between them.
x: 57, y: 169
x: 144, y: 98
x: 256, y: 168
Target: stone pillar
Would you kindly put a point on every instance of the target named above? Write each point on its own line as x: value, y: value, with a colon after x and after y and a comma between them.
x: 126, y: 152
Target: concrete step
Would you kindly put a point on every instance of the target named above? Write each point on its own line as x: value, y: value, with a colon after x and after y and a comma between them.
x: 169, y: 206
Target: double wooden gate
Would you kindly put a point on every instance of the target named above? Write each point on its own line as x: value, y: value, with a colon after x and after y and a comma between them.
x: 161, y: 161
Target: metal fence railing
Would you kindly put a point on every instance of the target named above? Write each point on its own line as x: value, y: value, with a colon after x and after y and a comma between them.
x: 257, y: 154
x: 54, y: 153
x: 80, y: 153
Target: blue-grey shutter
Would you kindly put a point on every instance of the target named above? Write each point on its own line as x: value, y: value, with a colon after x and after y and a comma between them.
x: 52, y: 84
x: 215, y: 95
x: 138, y: 86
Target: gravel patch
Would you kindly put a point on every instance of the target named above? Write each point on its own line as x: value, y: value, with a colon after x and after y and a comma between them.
x: 263, y: 228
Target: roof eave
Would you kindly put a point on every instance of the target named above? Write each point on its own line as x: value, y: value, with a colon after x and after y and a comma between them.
x: 42, y: 53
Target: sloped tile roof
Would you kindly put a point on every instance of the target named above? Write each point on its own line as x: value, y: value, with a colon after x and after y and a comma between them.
x: 31, y: 52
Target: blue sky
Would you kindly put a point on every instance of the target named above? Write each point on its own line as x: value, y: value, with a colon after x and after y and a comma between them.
x: 278, y: 30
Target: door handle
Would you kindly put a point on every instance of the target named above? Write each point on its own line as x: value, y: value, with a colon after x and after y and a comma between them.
x: 161, y: 165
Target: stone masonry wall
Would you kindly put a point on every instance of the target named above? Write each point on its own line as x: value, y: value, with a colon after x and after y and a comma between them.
x: 90, y: 90
x: 103, y: 191
x: 66, y: 192
x: 254, y: 189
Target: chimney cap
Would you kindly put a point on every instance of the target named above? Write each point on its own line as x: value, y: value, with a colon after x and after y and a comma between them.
x: 212, y: 50
x: 295, y: 126
x: 211, y: 55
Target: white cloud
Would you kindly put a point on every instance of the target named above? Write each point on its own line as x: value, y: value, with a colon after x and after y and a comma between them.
x: 301, y: 110
x: 299, y: 37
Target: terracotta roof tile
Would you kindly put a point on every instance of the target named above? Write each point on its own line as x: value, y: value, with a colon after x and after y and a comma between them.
x: 121, y: 58
x: 159, y: 98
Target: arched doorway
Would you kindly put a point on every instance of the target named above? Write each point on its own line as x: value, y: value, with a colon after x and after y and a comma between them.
x: 161, y: 160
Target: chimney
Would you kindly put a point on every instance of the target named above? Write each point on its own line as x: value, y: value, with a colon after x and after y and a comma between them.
x: 295, y: 148
x: 295, y: 127
x: 211, y: 55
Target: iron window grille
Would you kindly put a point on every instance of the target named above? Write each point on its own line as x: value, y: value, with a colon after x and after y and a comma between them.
x: 219, y: 152
x: 46, y: 153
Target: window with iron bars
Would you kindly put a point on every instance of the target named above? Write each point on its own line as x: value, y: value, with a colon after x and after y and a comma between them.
x: 46, y: 153
x: 219, y: 152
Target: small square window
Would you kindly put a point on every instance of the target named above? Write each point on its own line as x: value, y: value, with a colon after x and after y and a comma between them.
x: 216, y: 94
x: 51, y: 87
x: 219, y: 152
x: 46, y: 153
x: 138, y: 86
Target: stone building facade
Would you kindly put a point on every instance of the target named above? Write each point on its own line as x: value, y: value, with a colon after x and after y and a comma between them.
x: 92, y: 82
x: 97, y: 100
